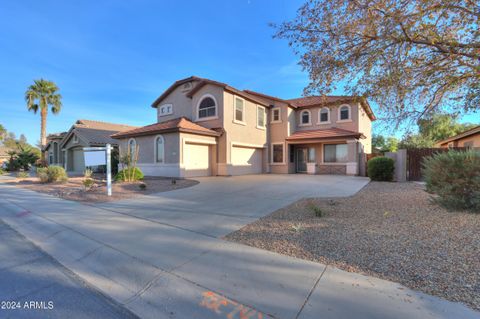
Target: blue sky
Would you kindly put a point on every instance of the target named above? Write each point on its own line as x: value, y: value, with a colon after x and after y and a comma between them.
x: 111, y: 59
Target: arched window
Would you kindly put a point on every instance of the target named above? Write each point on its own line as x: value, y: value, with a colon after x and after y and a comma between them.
x: 159, y: 149
x: 207, y: 107
x: 55, y: 152
x: 344, y: 112
x: 132, y: 146
x: 324, y: 115
x: 305, y: 117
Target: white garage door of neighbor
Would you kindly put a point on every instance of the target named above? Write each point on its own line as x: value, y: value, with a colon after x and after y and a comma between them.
x: 247, y: 160
x: 196, y: 158
x: 78, y: 161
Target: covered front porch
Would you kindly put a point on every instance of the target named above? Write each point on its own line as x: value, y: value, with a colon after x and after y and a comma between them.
x: 313, y: 154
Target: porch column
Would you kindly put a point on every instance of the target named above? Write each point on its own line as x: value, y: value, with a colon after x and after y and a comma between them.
x: 352, y: 164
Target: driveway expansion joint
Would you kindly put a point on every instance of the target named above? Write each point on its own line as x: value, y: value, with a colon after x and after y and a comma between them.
x: 311, y: 292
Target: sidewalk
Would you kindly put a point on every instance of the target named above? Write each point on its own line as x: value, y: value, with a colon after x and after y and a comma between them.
x: 160, y: 271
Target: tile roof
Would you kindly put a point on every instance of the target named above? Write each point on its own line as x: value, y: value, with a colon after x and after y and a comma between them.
x: 312, y: 101
x: 474, y: 130
x: 323, y: 134
x: 202, y: 82
x: 103, y: 125
x: 180, y: 124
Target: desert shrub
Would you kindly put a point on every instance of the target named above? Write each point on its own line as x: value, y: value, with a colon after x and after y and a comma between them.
x: 88, y: 173
x: 22, y: 174
x: 142, y: 186
x: 455, y: 177
x: 381, y: 168
x: 2, y: 171
x: 42, y: 174
x: 88, y: 183
x: 52, y: 174
x: 316, y: 210
x: 129, y: 174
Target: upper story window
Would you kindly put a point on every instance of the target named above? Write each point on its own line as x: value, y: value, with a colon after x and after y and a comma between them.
x: 165, y: 109
x: 159, y: 149
x: 239, y: 109
x: 75, y: 138
x: 132, y: 149
x: 344, y: 113
x: 276, y: 115
x: 207, y: 107
x: 305, y: 118
x: 324, y: 115
x: 260, y: 117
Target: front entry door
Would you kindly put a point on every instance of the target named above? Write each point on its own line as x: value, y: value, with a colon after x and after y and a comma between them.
x: 301, y: 160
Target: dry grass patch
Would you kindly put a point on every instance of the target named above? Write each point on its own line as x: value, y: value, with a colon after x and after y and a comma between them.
x: 388, y: 230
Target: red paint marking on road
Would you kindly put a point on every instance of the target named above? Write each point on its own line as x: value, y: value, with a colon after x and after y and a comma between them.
x: 23, y: 213
x: 230, y: 309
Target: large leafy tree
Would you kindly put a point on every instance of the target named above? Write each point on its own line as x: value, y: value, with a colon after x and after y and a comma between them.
x: 434, y: 128
x: 3, y: 132
x: 410, y: 57
x: 39, y: 97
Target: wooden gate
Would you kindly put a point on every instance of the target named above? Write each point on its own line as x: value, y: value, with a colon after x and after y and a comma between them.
x: 415, y: 158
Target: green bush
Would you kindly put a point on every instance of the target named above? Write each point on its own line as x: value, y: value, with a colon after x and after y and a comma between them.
x: 136, y: 174
x: 455, y: 177
x: 52, y: 174
x: 380, y: 168
x: 2, y: 171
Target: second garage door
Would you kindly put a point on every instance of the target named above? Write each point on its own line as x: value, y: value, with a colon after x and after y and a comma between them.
x: 246, y: 160
x: 196, y: 158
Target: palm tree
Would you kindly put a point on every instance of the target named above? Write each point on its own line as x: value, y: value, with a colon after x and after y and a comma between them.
x: 41, y: 95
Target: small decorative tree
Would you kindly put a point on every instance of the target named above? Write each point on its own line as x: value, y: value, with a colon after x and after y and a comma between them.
x: 129, y: 164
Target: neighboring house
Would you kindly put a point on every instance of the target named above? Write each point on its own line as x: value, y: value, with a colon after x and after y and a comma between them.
x: 52, y: 151
x: 66, y: 149
x: 470, y: 138
x: 206, y: 127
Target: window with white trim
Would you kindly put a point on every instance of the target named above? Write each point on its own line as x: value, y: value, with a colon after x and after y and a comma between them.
x: 344, y: 113
x: 207, y: 107
x: 165, y: 109
x: 276, y: 117
x: 159, y: 149
x: 324, y: 115
x: 335, y: 153
x: 305, y: 117
x: 239, y: 115
x: 277, y: 153
x: 261, y: 117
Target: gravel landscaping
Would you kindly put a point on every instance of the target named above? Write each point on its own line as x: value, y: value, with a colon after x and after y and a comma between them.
x: 389, y: 230
x: 73, y: 189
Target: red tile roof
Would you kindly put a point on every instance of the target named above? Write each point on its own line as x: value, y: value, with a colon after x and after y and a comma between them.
x: 176, y: 125
x: 324, y: 134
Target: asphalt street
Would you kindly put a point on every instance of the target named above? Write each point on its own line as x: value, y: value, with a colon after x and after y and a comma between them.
x: 34, y: 285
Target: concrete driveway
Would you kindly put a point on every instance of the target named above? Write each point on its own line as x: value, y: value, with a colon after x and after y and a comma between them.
x: 163, y: 271
x: 220, y: 205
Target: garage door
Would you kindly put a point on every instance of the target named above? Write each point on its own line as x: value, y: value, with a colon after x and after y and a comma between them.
x: 196, y: 158
x: 246, y: 160
x: 78, y: 161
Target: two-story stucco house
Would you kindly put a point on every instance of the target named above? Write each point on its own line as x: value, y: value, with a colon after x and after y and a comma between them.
x: 206, y: 127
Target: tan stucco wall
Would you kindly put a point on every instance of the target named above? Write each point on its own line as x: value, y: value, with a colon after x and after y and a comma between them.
x: 351, y: 125
x: 146, y: 144
x: 475, y: 139
x: 365, y: 127
x: 246, y: 133
x: 187, y: 107
x: 182, y: 105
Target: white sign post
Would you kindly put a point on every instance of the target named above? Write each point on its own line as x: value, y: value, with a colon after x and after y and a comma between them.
x: 95, y: 156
